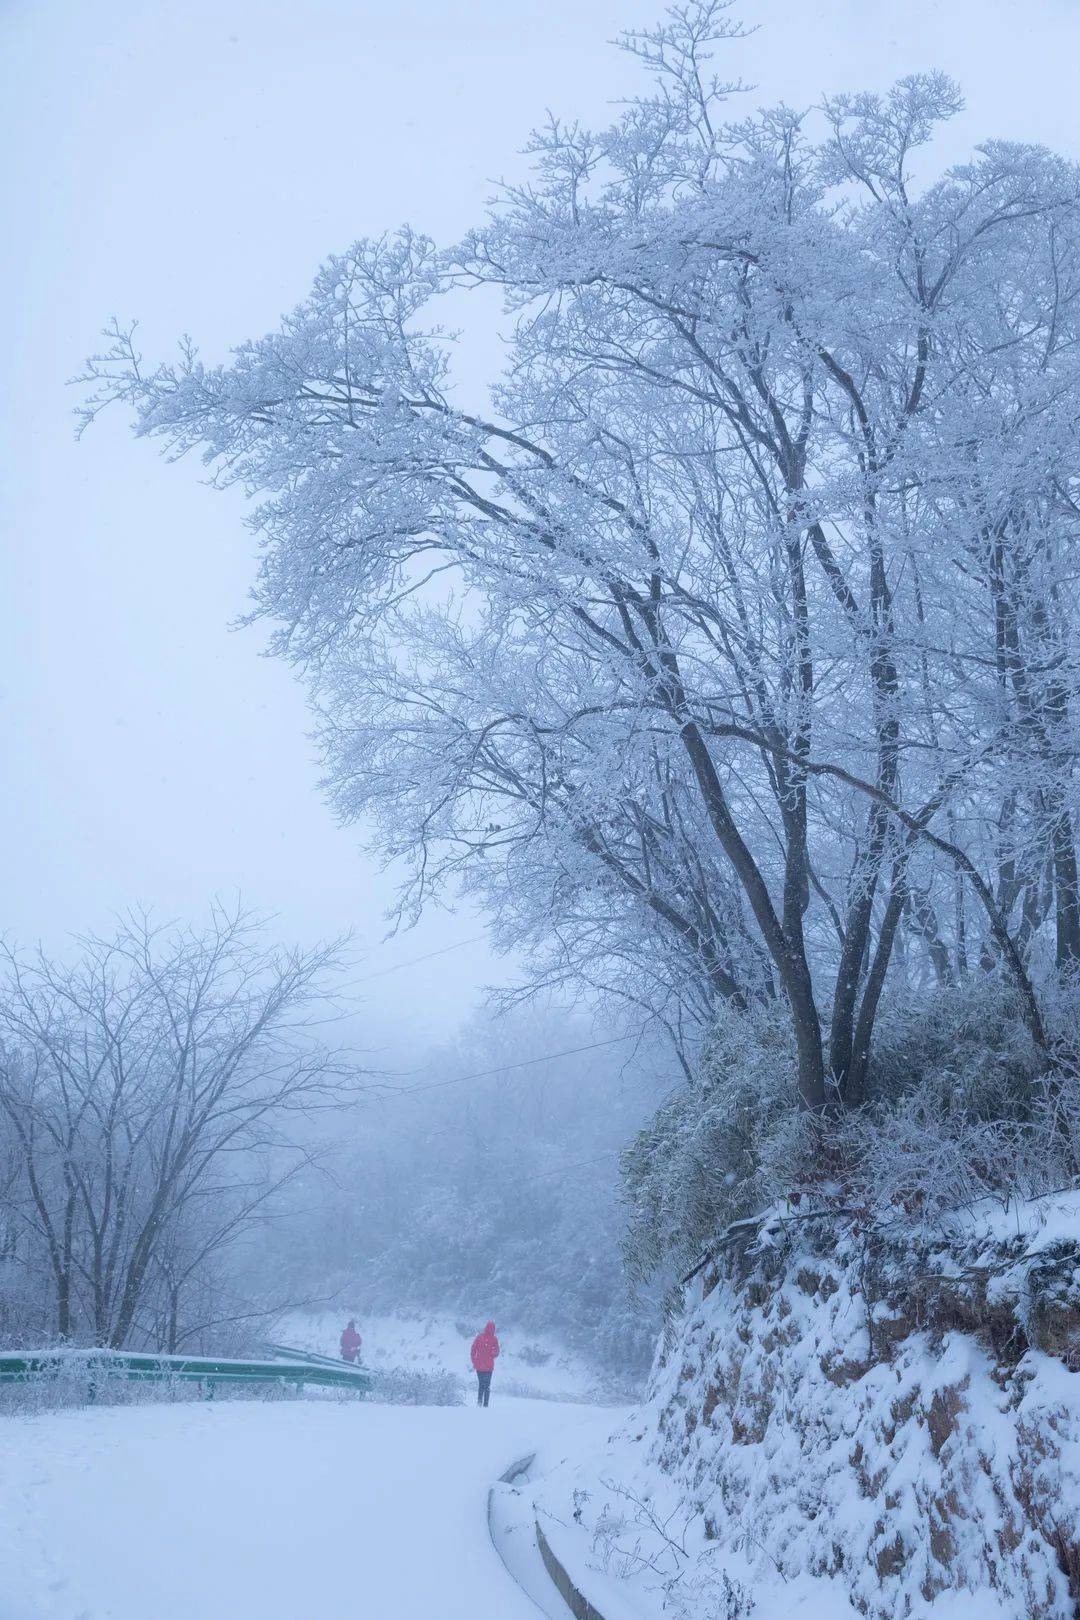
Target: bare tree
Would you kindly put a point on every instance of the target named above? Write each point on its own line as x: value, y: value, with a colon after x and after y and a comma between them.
x: 142, y: 1090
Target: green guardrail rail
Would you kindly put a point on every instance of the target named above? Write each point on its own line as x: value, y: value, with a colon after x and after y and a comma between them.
x: 283, y: 1367
x: 289, y: 1352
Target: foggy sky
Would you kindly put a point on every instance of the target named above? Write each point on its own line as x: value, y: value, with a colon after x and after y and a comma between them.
x: 190, y: 164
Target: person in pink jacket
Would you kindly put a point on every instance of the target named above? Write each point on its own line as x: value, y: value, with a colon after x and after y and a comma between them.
x: 485, y: 1347
x: 350, y: 1341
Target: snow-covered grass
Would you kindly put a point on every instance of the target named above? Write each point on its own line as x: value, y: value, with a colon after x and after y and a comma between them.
x: 72, y: 1384
x: 255, y: 1511
x: 532, y: 1364
x: 1039, y: 1222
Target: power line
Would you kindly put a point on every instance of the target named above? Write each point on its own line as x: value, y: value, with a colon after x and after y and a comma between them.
x: 523, y: 1063
x: 414, y: 961
x: 563, y: 1169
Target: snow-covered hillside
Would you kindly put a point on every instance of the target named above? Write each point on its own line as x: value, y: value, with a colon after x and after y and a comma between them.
x: 881, y: 1424
x: 531, y: 1363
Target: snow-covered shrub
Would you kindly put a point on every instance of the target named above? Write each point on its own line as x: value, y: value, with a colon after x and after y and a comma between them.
x: 533, y: 1355
x: 407, y: 1386
x: 77, y: 1382
x: 916, y: 1159
x: 704, y: 1159
x: 961, y: 1108
x: 65, y: 1384
x: 1059, y: 1116
x: 966, y: 1041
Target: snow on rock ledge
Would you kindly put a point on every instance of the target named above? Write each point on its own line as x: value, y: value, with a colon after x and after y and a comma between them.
x: 875, y: 1423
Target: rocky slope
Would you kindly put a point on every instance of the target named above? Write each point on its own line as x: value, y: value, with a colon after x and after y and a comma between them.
x: 879, y: 1421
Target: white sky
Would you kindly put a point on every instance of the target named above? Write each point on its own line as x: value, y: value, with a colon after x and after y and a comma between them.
x: 190, y: 163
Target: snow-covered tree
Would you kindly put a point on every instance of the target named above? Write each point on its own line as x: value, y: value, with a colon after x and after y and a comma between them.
x: 728, y: 655
x: 144, y: 1092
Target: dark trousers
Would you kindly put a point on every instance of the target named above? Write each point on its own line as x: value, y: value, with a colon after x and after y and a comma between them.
x: 483, y: 1392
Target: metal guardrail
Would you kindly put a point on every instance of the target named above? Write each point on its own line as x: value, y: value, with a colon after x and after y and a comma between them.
x: 289, y: 1352
x: 293, y: 1367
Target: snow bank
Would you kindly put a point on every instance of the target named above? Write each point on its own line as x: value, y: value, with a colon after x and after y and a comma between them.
x: 849, y: 1422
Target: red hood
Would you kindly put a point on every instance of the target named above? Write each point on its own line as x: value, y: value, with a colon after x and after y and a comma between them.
x: 489, y: 1327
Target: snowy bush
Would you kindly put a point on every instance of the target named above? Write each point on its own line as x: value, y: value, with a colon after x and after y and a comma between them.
x: 407, y: 1386
x: 702, y: 1159
x: 960, y: 1108
x: 79, y: 1383
x: 533, y: 1355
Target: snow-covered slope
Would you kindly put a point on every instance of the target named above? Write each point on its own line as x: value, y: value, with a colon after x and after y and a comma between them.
x: 882, y: 1424
x: 532, y: 1364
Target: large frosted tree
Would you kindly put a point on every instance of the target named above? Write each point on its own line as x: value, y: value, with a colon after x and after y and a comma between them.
x: 731, y: 646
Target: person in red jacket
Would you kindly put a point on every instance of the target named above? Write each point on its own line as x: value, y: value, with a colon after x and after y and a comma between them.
x: 485, y: 1347
x: 350, y: 1341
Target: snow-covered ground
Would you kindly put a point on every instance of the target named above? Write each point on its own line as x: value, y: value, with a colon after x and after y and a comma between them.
x: 1040, y: 1222
x: 251, y: 1510
x: 531, y: 1363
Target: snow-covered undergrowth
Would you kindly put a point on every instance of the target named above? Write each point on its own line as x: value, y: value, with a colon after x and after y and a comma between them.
x: 531, y: 1364
x: 410, y: 1386
x: 91, y: 1378
x: 72, y: 1385
x: 883, y: 1423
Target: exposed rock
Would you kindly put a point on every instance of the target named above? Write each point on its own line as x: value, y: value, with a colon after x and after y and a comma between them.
x: 906, y: 1370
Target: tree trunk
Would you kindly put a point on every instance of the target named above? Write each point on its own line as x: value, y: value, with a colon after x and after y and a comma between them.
x: 1066, y: 893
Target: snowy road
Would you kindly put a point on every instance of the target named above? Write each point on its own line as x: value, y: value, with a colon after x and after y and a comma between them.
x: 264, y: 1511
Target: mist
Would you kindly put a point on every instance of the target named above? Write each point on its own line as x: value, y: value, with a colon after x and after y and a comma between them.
x: 540, y: 685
